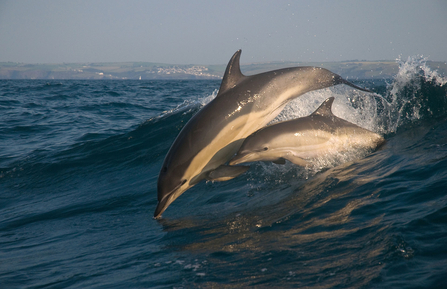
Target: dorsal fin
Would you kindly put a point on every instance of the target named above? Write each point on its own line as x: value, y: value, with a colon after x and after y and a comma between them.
x: 232, y: 74
x: 325, y: 109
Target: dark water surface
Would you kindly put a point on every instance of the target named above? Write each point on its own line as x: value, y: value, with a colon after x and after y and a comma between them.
x: 79, y: 162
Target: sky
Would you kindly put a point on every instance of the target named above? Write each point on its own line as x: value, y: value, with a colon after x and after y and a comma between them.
x: 209, y: 32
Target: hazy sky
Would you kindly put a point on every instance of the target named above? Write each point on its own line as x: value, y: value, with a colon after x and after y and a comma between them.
x: 209, y: 32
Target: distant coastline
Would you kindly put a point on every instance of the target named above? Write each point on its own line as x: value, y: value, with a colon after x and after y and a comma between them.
x: 147, y: 70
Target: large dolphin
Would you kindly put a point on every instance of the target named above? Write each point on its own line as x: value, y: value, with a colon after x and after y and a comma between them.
x: 243, y: 105
x: 301, y: 139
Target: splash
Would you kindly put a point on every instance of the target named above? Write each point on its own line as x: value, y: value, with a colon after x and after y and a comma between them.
x: 416, y: 93
x: 207, y: 99
x: 417, y: 66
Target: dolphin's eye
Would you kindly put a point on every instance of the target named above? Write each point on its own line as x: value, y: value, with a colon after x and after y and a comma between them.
x: 266, y: 148
x: 164, y: 169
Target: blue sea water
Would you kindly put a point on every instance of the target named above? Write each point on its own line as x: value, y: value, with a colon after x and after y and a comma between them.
x: 79, y: 162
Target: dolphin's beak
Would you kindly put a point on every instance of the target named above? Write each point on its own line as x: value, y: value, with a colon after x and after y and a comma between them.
x: 166, y: 200
x: 163, y: 205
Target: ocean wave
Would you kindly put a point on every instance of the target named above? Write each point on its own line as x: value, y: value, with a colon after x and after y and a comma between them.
x: 78, y: 197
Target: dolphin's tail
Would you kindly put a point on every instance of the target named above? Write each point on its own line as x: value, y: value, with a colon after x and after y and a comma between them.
x: 343, y: 81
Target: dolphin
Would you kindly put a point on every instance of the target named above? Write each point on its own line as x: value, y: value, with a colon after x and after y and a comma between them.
x: 214, y: 134
x: 301, y: 139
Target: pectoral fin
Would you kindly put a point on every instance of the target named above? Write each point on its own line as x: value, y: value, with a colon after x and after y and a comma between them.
x: 297, y: 160
x: 225, y: 173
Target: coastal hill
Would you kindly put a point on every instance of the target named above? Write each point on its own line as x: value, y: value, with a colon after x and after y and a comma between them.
x: 147, y: 70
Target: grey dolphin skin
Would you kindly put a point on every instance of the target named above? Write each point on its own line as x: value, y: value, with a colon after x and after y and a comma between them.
x: 243, y: 105
x: 297, y: 140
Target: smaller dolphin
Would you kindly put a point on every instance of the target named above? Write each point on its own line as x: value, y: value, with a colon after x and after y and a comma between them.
x: 301, y: 139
